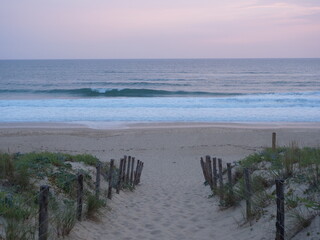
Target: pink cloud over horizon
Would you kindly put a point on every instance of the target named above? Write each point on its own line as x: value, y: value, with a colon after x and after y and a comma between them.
x: 146, y: 29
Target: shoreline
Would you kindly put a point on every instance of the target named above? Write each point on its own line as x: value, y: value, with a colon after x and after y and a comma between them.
x: 157, y: 125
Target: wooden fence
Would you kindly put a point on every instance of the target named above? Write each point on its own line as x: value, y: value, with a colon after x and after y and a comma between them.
x: 213, y: 176
x: 129, y: 176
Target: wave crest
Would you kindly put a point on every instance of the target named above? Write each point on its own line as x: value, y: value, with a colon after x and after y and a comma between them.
x: 118, y: 92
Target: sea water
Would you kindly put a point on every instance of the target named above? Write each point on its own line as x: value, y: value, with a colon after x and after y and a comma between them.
x: 175, y: 90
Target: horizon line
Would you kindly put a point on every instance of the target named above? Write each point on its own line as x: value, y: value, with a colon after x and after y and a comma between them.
x: 221, y: 58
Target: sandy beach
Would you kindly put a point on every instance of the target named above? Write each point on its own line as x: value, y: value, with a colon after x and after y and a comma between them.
x: 171, y: 201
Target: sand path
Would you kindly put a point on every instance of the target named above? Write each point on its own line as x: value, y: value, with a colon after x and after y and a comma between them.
x: 171, y: 202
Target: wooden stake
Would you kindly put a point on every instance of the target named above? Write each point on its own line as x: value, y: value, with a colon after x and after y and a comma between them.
x: 120, y: 176
x: 79, y: 196
x: 136, y: 173
x: 131, y: 174
x: 98, y: 172
x: 220, y: 178
x: 274, y: 141
x: 110, y: 179
x: 140, y: 172
x: 124, y: 169
x: 230, y: 179
x: 128, y: 170
x: 248, y: 192
x: 280, y: 209
x: 215, y: 174
x: 209, y: 167
x: 203, y: 169
x: 43, y: 212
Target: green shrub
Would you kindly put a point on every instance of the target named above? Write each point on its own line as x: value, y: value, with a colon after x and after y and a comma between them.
x: 16, y: 207
x: 252, y: 160
x: 64, y: 180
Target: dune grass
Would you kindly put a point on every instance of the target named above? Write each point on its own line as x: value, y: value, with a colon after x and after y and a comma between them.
x: 299, y: 167
x: 20, y: 178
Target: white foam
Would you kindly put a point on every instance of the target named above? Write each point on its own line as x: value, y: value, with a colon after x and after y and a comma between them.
x: 251, y: 108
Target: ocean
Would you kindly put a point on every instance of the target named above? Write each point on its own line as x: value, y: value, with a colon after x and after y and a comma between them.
x: 173, y: 90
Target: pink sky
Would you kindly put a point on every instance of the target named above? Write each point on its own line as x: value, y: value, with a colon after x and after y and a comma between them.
x: 159, y: 29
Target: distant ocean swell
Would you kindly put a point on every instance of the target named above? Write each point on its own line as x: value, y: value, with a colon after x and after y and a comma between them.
x: 143, y: 92
x: 126, y: 92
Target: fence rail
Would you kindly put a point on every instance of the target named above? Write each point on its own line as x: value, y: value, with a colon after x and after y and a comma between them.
x: 228, y: 194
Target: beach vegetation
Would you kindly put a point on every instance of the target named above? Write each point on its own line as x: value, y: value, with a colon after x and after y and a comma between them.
x: 19, y: 230
x: 6, y: 166
x: 65, y: 218
x: 84, y: 158
x: 94, y: 204
x: 298, y: 167
x: 20, y: 178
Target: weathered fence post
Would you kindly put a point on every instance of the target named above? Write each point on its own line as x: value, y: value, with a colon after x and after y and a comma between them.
x: 79, y: 196
x: 124, y: 169
x: 215, y: 174
x: 43, y: 212
x: 98, y: 172
x: 136, y: 173
x: 280, y: 209
x: 248, y: 192
x: 230, y: 180
x: 140, y: 171
x: 220, y: 178
x: 120, y: 176
x: 128, y: 170
x: 203, y: 166
x: 209, y: 167
x: 274, y: 141
x: 131, y: 174
x: 110, y: 178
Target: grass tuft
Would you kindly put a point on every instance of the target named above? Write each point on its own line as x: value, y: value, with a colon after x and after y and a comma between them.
x: 93, y: 206
x: 65, y: 219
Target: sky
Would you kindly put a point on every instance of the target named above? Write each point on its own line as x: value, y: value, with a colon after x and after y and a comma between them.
x: 113, y: 29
